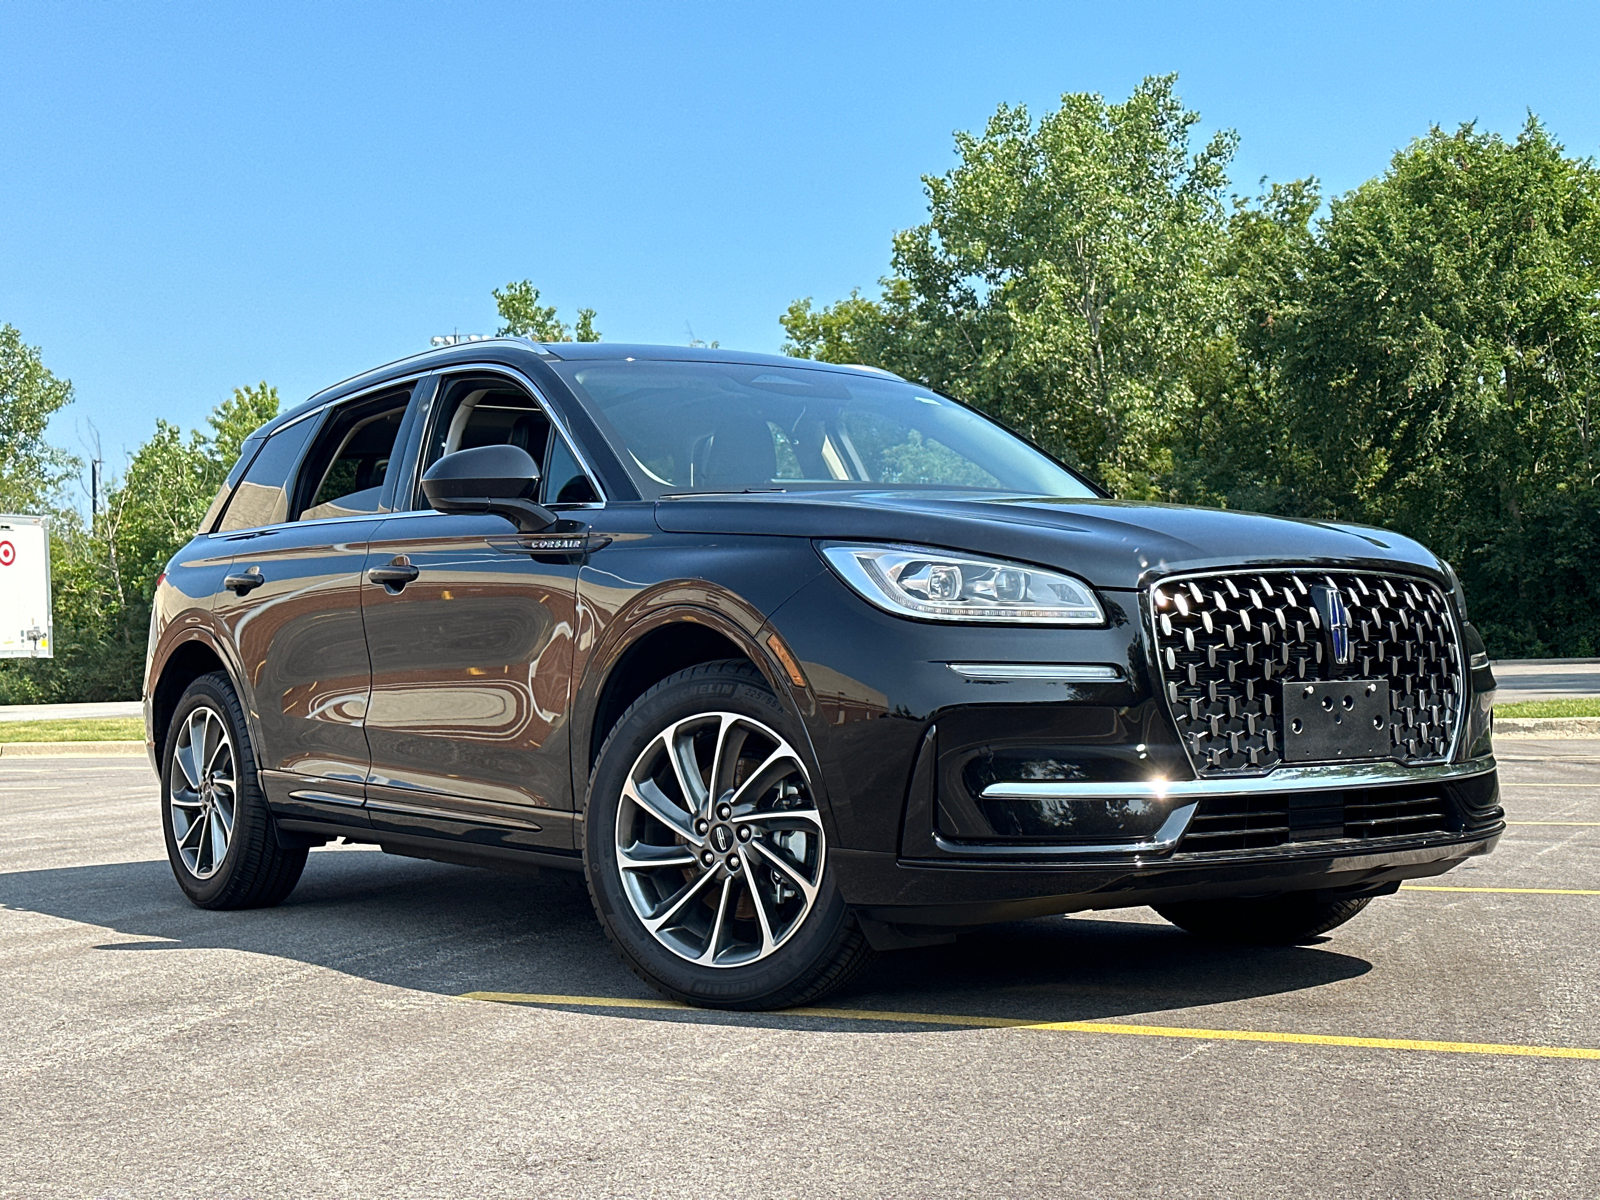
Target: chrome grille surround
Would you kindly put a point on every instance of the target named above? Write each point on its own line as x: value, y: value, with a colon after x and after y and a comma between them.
x: 1223, y: 641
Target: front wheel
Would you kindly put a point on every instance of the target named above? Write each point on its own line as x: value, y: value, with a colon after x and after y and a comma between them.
x: 1263, y: 921
x: 706, y: 853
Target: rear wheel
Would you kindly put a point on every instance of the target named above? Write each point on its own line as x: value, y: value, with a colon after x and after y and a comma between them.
x: 705, y: 850
x: 220, y: 837
x: 1263, y: 921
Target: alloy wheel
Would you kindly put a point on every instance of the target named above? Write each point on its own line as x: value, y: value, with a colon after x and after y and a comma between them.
x: 718, y: 840
x: 205, y: 792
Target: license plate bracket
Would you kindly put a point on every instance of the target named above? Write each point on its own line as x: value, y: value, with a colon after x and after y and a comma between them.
x: 1335, y: 720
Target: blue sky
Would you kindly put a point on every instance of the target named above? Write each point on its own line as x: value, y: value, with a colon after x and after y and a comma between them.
x: 198, y: 196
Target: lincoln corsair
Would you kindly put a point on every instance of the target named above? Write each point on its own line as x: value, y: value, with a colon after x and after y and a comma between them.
x: 796, y: 663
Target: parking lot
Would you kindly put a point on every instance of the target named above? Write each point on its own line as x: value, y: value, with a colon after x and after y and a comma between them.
x: 1445, y: 1043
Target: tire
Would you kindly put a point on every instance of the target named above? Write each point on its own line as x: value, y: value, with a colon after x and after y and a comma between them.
x: 694, y: 932
x: 221, y: 859
x: 1265, y: 921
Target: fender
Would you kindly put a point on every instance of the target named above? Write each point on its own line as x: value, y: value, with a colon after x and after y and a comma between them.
x: 688, y: 602
x: 194, y: 627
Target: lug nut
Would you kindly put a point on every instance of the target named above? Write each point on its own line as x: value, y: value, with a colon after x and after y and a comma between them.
x: 708, y: 858
x: 733, y: 862
x: 724, y: 811
x: 701, y: 826
x: 744, y: 833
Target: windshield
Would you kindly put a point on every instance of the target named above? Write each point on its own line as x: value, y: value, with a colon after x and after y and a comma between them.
x: 720, y: 427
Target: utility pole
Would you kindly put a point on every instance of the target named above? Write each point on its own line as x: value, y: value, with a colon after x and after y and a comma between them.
x: 94, y: 489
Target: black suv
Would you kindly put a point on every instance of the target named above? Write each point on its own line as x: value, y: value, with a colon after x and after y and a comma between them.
x: 796, y: 662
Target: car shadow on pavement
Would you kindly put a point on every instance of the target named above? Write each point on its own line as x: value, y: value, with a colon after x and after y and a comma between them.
x: 453, y: 930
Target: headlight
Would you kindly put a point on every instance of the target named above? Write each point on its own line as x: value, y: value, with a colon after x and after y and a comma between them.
x: 939, y: 585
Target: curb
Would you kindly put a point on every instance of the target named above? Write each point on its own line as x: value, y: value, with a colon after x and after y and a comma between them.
x: 71, y: 749
x: 1547, y: 727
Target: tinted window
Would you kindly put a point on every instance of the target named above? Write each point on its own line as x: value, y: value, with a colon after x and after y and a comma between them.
x: 697, y: 426
x: 350, y: 459
x: 564, y: 480
x: 485, y: 412
x: 261, y: 497
x: 491, y: 411
x: 247, y: 453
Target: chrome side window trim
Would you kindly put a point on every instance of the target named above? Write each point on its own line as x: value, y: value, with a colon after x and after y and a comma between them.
x: 558, y: 422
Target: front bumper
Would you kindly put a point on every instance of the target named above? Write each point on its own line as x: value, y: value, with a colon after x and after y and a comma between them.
x: 941, y: 882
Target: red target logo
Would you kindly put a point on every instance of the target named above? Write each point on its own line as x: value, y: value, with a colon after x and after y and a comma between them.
x: 8, y: 554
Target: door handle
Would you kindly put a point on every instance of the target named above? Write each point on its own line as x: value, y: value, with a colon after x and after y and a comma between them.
x: 396, y: 575
x: 244, y: 582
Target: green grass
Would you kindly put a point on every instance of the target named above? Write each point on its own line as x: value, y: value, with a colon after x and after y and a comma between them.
x: 88, y: 729
x: 1580, y: 706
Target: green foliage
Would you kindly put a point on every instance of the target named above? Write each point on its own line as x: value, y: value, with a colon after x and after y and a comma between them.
x: 1061, y: 276
x: 1425, y: 357
x: 522, y: 315
x: 103, y: 579
x: 31, y: 471
x: 1440, y: 359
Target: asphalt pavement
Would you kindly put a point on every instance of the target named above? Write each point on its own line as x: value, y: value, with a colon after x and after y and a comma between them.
x: 324, y: 1048
x: 1547, y: 679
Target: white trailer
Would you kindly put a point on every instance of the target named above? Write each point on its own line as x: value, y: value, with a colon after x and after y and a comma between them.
x: 25, y: 630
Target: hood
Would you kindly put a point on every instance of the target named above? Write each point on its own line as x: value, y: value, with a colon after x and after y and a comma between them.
x: 1109, y: 543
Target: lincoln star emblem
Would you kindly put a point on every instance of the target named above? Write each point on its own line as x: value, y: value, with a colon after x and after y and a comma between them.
x: 1335, y: 622
x: 723, y: 836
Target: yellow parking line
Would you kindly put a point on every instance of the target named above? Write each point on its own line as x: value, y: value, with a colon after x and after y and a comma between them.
x: 1164, y: 1031
x: 1430, y: 887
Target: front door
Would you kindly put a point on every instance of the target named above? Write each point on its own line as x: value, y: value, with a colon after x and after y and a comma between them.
x: 470, y: 638
x: 470, y: 641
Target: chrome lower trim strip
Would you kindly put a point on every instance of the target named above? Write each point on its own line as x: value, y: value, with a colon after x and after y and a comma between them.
x: 1164, y: 839
x: 460, y: 815
x: 1284, y: 779
x: 1038, y: 672
x: 327, y: 798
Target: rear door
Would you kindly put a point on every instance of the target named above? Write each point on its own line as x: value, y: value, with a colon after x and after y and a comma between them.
x: 471, y: 647
x: 300, y: 520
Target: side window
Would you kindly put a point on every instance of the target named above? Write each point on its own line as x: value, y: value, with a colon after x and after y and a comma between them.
x: 345, y: 470
x: 247, y: 453
x: 564, y: 480
x: 480, y: 411
x: 262, y: 496
x: 491, y: 411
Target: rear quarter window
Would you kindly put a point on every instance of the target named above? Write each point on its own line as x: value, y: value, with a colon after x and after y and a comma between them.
x: 261, y: 497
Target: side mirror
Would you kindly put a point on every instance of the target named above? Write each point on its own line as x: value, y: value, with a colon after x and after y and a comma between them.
x: 492, y: 479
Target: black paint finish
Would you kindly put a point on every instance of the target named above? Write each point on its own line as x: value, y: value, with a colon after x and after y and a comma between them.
x: 452, y: 703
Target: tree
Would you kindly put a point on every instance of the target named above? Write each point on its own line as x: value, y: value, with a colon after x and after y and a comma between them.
x: 103, y: 578
x: 1062, y: 281
x: 522, y: 315
x: 31, y: 471
x: 1439, y: 365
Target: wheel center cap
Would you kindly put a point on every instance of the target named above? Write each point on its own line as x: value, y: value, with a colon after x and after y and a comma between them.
x: 722, y: 838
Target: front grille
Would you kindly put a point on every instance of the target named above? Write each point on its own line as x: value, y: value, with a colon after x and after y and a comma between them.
x: 1355, y: 814
x: 1226, y: 642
